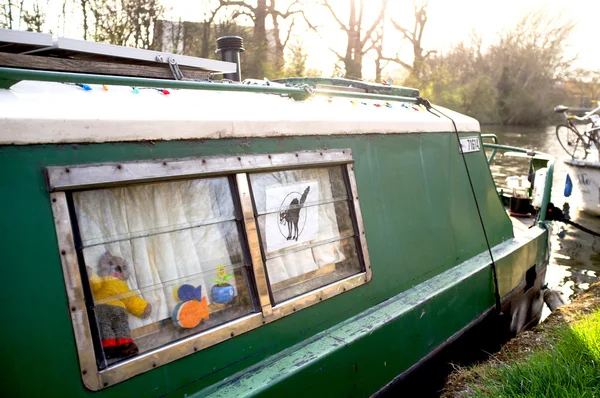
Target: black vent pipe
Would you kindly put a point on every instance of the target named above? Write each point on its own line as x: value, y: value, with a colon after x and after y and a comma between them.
x: 230, y: 48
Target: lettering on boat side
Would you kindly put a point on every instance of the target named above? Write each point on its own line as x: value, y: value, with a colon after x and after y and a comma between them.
x: 469, y: 144
x: 583, y: 179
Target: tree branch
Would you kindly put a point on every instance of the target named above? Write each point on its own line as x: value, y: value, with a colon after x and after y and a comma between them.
x: 287, y: 12
x: 408, y: 35
x: 376, y: 23
x: 360, y: 14
x: 289, y: 33
x: 214, y: 14
x: 341, y: 58
x: 398, y: 61
x: 236, y: 14
x: 328, y: 6
x: 239, y: 3
x: 429, y: 53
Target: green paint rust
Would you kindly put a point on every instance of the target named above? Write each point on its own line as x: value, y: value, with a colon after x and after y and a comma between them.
x: 420, y: 221
x: 341, y: 342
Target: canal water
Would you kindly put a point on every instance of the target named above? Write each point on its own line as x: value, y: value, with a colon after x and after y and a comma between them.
x: 575, y: 256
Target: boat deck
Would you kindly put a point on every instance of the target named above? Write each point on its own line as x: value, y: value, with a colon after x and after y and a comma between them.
x: 522, y: 225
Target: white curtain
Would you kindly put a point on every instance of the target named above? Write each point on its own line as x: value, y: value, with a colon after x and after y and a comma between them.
x: 169, y: 233
x: 317, y: 218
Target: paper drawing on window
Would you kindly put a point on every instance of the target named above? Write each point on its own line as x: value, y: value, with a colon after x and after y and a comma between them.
x: 293, y: 222
x: 290, y: 214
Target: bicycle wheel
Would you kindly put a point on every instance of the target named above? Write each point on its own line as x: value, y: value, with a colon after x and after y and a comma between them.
x: 571, y: 141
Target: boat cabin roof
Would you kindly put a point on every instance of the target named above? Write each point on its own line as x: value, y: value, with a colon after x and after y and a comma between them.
x: 35, y: 112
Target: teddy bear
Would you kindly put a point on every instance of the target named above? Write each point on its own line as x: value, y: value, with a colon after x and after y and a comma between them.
x: 113, y: 301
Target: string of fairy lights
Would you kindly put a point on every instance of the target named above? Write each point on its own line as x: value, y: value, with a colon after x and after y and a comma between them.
x: 385, y: 104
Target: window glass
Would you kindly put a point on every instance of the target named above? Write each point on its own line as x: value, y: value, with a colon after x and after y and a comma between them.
x: 306, y: 229
x: 164, y: 260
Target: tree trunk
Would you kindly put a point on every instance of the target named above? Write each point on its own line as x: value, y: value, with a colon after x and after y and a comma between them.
x: 205, y: 44
x: 278, y: 62
x: 353, y: 58
x: 378, y: 71
x: 10, y: 15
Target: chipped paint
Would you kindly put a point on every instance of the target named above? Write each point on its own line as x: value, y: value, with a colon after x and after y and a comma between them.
x: 329, y: 343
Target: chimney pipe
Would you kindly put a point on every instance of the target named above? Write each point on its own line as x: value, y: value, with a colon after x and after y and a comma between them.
x: 230, y: 48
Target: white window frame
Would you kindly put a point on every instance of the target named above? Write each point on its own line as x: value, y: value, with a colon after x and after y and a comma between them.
x: 65, y: 178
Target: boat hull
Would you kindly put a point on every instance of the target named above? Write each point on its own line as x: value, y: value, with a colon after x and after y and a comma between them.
x: 431, y: 266
x: 368, y: 350
x: 485, y: 334
x: 586, y: 184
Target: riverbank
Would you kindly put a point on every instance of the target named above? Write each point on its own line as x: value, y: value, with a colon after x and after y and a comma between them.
x: 559, y: 357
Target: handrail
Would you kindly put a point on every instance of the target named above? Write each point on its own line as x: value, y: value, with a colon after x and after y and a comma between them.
x: 495, y: 138
x: 540, y: 155
x: 11, y: 76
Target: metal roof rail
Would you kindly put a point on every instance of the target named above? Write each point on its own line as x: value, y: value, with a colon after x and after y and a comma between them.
x: 11, y: 76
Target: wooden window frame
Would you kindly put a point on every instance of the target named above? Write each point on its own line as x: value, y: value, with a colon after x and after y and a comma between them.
x: 66, y: 178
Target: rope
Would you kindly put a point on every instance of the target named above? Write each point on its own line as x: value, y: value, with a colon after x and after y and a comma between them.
x: 427, y: 104
x: 579, y: 226
x: 555, y: 214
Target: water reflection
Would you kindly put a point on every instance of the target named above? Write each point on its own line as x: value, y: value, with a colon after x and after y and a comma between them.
x: 575, y: 256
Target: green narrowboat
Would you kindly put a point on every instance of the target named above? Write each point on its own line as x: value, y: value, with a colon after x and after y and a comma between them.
x: 175, y: 237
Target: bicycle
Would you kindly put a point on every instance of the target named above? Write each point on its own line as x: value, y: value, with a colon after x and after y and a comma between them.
x: 577, y: 144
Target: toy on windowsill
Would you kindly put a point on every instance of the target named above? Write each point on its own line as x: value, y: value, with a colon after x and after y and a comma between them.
x: 109, y: 288
x: 222, y: 292
x: 192, y: 308
x: 187, y: 292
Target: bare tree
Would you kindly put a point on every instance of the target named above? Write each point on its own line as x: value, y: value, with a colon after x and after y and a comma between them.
x: 84, y: 10
x: 124, y: 22
x: 531, y: 59
x: 415, y: 37
x: 257, y: 60
x: 280, y: 45
x: 358, y: 37
x: 6, y: 15
x: 207, y: 25
x: 34, y: 19
x: 381, y: 61
x: 13, y: 14
x: 511, y: 81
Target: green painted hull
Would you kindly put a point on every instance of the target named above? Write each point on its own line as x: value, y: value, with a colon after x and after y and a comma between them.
x: 431, y: 274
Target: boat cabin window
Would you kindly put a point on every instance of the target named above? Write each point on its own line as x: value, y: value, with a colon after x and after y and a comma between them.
x: 307, y: 234
x: 164, y: 258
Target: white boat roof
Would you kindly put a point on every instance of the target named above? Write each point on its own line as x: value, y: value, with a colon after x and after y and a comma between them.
x: 34, y: 112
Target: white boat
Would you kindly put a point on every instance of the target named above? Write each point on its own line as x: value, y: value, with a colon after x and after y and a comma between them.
x: 585, y: 176
x: 584, y: 165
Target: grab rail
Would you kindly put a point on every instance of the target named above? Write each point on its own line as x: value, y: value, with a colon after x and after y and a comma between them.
x: 495, y: 138
x: 11, y: 76
x: 538, y: 155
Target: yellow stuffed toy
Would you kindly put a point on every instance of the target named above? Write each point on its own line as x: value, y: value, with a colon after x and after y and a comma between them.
x: 113, y: 300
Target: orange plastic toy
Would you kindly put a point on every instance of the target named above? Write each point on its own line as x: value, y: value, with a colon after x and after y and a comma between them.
x: 190, y: 313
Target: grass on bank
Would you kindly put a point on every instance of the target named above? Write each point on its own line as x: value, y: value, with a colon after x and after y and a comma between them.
x: 565, y: 364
